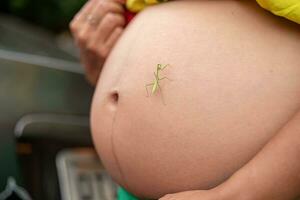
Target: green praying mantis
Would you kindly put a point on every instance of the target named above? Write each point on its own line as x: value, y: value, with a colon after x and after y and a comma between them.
x: 155, y: 85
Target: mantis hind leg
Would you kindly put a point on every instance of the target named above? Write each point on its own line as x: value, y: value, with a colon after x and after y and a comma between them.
x: 146, y: 86
x: 162, y: 96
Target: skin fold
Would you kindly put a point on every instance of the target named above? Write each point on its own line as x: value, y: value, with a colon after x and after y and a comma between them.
x: 235, y: 83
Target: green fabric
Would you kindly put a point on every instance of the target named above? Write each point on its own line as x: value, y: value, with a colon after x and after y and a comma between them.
x: 124, y: 195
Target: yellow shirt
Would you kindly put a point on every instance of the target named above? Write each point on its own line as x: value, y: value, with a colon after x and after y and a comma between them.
x: 289, y: 9
x: 138, y: 5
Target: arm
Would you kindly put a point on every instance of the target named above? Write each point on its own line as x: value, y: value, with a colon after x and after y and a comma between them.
x: 273, y: 174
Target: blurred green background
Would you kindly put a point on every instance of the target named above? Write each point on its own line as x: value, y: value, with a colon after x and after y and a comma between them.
x: 53, y: 15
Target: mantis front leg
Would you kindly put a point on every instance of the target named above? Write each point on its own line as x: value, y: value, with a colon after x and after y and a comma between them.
x: 165, y: 78
x: 162, y: 68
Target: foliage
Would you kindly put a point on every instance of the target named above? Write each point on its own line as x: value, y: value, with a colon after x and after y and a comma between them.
x: 52, y: 14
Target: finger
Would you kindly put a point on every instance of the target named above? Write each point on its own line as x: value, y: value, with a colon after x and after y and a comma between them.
x: 107, y: 26
x: 94, y: 18
x: 101, y: 50
x: 102, y: 9
x: 105, y: 6
x: 89, y: 25
x: 86, y: 9
x: 166, y: 197
x: 79, y: 20
x: 113, y: 38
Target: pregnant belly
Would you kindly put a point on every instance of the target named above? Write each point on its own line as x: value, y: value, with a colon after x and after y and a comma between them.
x: 235, y: 81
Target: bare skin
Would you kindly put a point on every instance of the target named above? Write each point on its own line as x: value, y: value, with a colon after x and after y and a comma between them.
x: 232, y: 107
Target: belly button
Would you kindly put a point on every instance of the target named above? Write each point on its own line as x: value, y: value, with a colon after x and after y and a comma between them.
x: 113, y: 99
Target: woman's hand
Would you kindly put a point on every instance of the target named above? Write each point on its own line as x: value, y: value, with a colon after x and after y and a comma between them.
x: 96, y: 28
x: 236, y: 189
